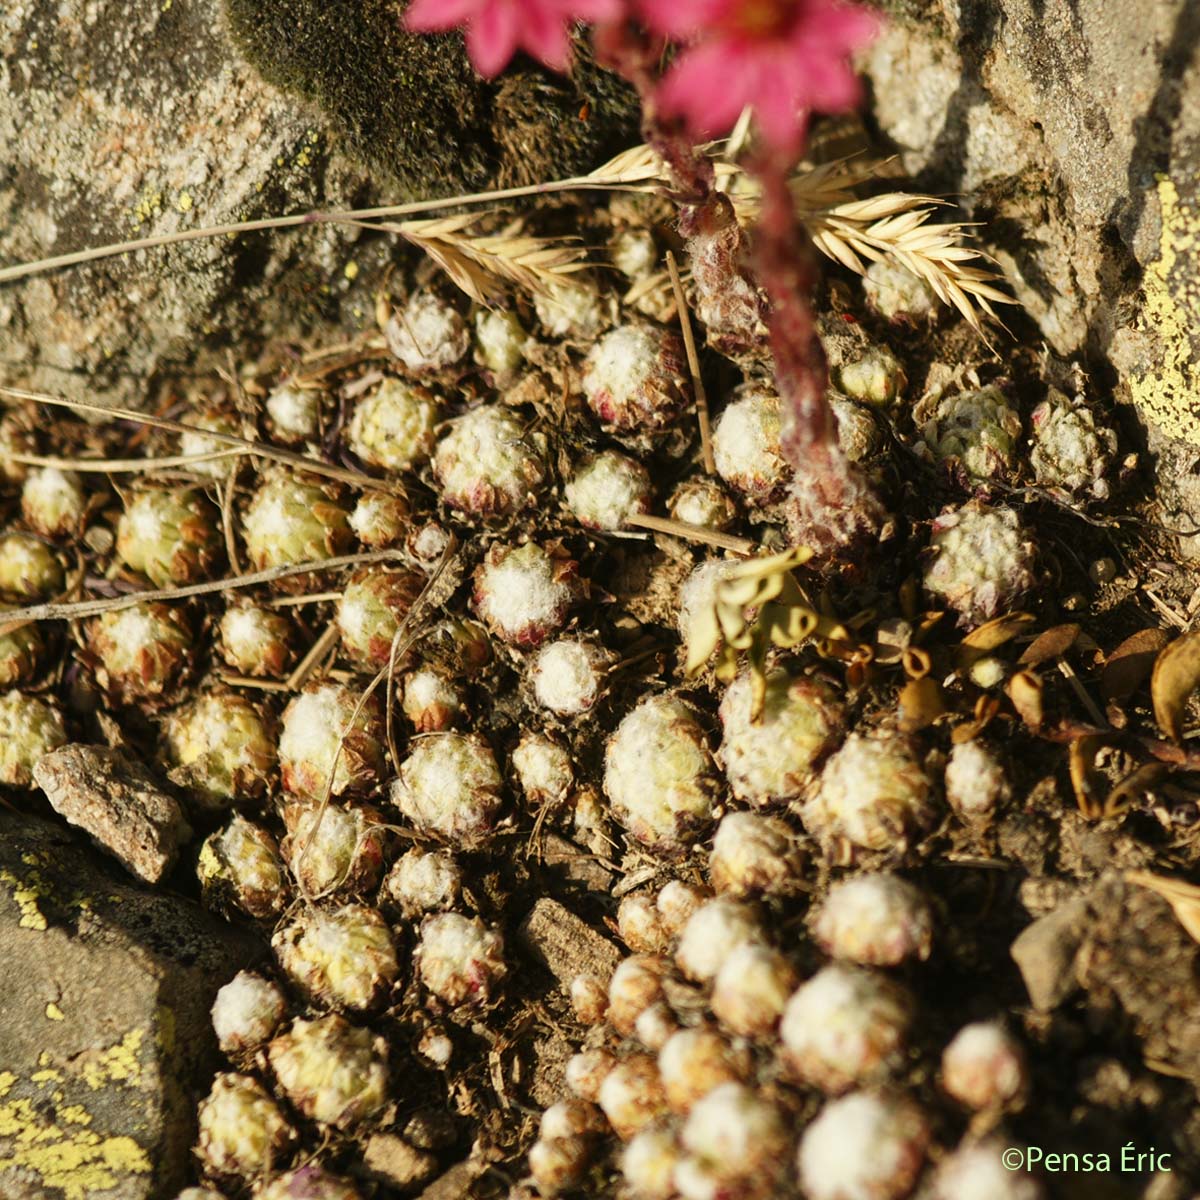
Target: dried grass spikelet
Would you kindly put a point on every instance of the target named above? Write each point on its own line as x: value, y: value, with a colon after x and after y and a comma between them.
x: 485, y: 265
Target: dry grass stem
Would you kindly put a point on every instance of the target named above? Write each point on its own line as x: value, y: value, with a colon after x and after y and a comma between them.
x: 78, y: 609
x: 692, y: 533
x: 627, y: 170
x: 689, y: 342
x: 313, y: 466
x: 297, y: 601
x: 308, y: 664
x: 119, y: 466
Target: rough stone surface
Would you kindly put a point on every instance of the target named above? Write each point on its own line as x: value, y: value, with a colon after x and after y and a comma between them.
x: 393, y: 1161
x: 118, y: 803
x: 1139, y: 967
x: 172, y: 129
x: 1045, y: 954
x: 566, y: 945
x: 99, y: 1082
x: 1073, y: 133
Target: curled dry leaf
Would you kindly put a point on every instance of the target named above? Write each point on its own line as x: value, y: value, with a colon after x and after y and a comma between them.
x: 1048, y: 644
x: 1130, y: 664
x: 1025, y: 692
x: 1184, y: 898
x: 991, y: 635
x: 986, y: 708
x: 1175, y: 677
x: 921, y: 703
x: 1097, y: 798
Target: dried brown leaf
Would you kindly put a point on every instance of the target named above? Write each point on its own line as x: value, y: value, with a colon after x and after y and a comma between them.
x: 1175, y: 677
x: 921, y: 703
x: 1025, y: 691
x: 1130, y: 664
x: 1048, y: 644
x: 994, y: 633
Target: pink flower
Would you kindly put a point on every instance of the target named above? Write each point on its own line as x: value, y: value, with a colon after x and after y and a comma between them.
x: 783, y: 58
x: 496, y: 29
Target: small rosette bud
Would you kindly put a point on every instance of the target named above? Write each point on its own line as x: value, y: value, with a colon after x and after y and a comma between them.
x: 170, y: 537
x: 331, y: 1071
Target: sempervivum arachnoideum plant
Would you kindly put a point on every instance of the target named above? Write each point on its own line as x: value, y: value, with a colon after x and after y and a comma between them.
x: 21, y: 650
x: 341, y: 958
x: 393, y: 427
x: 141, y: 650
x: 29, y: 568
x: 981, y: 562
x: 333, y: 847
x: 332, y: 1072
x: 873, y: 792
x: 433, y: 700
x: 1071, y: 453
x: 240, y: 869
x: 242, y: 1130
x: 658, y: 774
x: 53, y: 502
x: 324, y: 744
x: 879, y: 920
x: 171, y: 537
x: 976, y: 431
x: 569, y: 675
x: 29, y: 729
x: 488, y: 465
x: 427, y: 334
x: 868, y: 1145
x: 770, y: 758
x: 634, y: 378
x: 310, y: 1182
x: 380, y: 519
x: 459, y: 960
x: 246, y: 1013
x: 845, y: 1026
x: 607, y: 489
x: 194, y: 441
x: 449, y: 787
x: 290, y: 520
x: 746, y: 447
x: 374, y: 604
x: 254, y: 640
x: 523, y: 593
x: 221, y: 747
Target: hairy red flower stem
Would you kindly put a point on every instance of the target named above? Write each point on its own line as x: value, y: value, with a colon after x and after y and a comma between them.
x: 831, y: 504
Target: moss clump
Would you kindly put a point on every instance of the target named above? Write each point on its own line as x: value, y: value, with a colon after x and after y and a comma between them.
x: 412, y: 108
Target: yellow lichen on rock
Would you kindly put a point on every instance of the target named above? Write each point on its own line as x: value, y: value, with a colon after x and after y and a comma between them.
x: 1167, y: 394
x: 73, y: 1162
x: 118, y: 1064
x: 25, y: 895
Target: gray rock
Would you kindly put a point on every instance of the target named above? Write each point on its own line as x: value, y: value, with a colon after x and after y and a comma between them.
x: 164, y: 131
x: 565, y: 944
x: 170, y: 129
x: 1045, y: 954
x: 104, y: 1026
x: 393, y: 1161
x: 118, y: 803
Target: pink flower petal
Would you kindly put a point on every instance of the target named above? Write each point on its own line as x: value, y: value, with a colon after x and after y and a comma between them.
x: 492, y: 36
x: 709, y: 87
x: 548, y: 41
x: 683, y: 19
x: 595, y: 11
x: 436, y: 16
